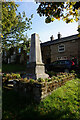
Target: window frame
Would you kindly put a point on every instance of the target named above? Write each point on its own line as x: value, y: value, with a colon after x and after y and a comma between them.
x: 63, y: 47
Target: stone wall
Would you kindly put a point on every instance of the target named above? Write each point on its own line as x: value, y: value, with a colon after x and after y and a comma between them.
x: 46, y: 54
x: 50, y: 51
x: 37, y: 90
x: 71, y: 49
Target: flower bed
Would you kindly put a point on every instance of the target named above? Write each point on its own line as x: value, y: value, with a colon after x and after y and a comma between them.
x: 40, y: 88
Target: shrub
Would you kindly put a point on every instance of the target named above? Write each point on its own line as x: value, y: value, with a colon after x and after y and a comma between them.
x: 72, y: 71
x: 18, y: 76
x: 41, y: 80
x: 4, y: 74
x: 13, y: 75
x: 53, y: 78
x: 48, y: 79
x: 7, y: 76
x: 25, y: 79
x: 31, y: 80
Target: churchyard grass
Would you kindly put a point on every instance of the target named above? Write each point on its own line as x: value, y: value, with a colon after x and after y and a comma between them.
x: 13, y: 67
x: 62, y: 104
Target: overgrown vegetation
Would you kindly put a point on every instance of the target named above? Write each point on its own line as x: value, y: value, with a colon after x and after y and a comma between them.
x: 57, y: 77
x: 62, y: 104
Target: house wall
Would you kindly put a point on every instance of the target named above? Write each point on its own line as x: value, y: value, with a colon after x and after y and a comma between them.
x: 71, y: 50
x: 46, y: 54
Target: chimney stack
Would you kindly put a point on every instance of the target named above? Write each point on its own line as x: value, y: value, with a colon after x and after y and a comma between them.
x: 59, y: 35
x: 52, y: 38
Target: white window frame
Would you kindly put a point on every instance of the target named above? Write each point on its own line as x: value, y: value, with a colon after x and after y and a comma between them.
x: 62, y: 47
x: 62, y: 58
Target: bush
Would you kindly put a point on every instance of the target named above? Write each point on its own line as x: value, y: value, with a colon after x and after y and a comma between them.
x: 72, y: 71
x: 25, y: 79
x: 41, y: 80
x: 48, y: 79
x: 18, y: 76
x: 32, y: 80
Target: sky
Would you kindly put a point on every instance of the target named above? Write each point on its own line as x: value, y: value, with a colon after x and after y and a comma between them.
x: 44, y: 30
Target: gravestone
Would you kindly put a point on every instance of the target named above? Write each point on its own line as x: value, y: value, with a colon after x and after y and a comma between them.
x: 35, y: 68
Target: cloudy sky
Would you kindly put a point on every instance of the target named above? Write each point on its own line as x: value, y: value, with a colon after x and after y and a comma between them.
x: 44, y: 30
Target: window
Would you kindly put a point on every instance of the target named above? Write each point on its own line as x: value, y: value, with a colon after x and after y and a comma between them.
x: 61, y: 48
x: 58, y: 58
x: 62, y: 58
x: 19, y: 50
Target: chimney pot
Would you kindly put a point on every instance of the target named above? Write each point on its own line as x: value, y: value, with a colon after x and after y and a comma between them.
x: 59, y: 35
x: 52, y: 38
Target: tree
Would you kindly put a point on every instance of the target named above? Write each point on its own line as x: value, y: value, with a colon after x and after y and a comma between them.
x: 67, y: 11
x: 14, y: 24
x: 26, y: 48
x: 9, y: 18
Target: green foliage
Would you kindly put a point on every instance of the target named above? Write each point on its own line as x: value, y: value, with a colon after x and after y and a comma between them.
x: 62, y: 104
x: 14, y: 24
x: 53, y: 77
x: 9, y: 18
x: 72, y: 71
x: 13, y: 68
x: 8, y: 76
x: 41, y: 80
x: 17, y: 75
x: 67, y: 11
x: 55, y: 10
x: 25, y: 79
x: 31, y: 80
x: 12, y: 76
x: 48, y: 79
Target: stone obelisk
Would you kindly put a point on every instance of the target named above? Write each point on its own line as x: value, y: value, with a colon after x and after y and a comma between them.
x: 35, y: 68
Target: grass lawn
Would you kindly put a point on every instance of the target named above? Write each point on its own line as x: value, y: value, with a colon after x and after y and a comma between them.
x: 13, y: 67
x: 62, y: 104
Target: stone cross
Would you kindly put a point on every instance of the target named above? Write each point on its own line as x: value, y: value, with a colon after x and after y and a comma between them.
x: 35, y: 68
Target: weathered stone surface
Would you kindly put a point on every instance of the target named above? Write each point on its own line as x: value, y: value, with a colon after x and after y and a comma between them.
x: 35, y: 68
x: 39, y: 91
x: 50, y: 51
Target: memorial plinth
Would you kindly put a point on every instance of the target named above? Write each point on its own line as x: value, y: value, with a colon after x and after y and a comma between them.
x: 35, y: 68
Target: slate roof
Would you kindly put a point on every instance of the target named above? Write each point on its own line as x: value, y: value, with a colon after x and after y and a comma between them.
x: 65, y: 39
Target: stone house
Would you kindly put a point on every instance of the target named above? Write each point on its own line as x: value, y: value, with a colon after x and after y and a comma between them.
x: 61, y: 48
x: 15, y: 55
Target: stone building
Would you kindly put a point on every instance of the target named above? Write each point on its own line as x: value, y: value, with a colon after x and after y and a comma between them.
x: 16, y: 55
x: 61, y: 48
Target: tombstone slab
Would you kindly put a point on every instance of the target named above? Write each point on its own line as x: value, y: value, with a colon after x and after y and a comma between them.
x: 35, y: 68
